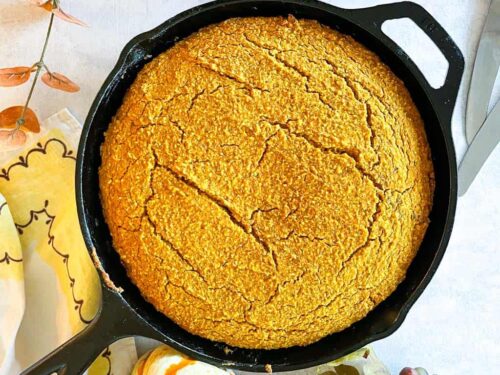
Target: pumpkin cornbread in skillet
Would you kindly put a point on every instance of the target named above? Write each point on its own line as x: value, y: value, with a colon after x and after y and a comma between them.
x: 266, y: 181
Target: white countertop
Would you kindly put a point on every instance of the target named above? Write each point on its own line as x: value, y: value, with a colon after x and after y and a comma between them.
x: 454, y: 328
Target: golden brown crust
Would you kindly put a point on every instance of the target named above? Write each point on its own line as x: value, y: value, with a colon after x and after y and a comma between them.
x: 267, y: 181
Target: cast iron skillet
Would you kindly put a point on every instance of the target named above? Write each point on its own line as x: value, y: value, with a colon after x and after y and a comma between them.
x: 128, y: 314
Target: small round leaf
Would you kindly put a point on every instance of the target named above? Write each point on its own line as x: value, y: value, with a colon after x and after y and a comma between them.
x: 14, y: 76
x: 9, y: 117
x: 60, y: 82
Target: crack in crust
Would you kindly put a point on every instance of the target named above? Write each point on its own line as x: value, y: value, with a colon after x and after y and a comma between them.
x: 286, y: 64
x: 245, y: 85
x: 224, y: 207
x: 335, y: 150
x: 171, y: 246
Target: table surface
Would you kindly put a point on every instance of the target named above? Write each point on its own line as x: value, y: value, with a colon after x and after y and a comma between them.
x: 454, y: 327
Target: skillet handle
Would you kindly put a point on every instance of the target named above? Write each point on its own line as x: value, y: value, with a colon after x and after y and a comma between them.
x: 443, y: 98
x: 113, y: 321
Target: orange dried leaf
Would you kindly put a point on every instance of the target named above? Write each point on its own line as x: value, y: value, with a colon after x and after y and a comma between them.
x: 48, y: 6
x: 9, y: 117
x: 14, y: 76
x: 45, y: 4
x: 60, y: 82
x: 58, y: 12
x: 14, y: 137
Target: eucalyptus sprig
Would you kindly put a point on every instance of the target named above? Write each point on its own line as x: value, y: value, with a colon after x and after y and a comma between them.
x: 17, y: 120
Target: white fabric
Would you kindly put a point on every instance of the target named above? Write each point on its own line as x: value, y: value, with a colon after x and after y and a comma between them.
x: 11, y: 313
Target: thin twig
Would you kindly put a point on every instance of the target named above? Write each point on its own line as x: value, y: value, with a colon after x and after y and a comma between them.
x: 39, y: 65
x: 47, y: 69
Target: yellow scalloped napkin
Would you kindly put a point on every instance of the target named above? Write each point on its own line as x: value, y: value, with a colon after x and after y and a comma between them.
x: 48, y: 285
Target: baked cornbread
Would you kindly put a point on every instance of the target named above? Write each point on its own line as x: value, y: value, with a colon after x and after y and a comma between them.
x: 266, y: 181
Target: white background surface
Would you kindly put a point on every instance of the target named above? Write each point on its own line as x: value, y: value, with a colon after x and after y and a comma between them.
x: 454, y: 328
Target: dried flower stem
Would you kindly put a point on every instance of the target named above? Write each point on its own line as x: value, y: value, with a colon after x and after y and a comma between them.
x: 39, y: 65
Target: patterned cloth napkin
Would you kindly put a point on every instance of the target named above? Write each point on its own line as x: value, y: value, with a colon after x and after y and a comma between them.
x: 48, y: 285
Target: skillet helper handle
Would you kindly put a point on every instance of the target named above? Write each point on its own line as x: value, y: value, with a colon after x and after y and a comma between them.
x: 444, y: 97
x: 113, y: 321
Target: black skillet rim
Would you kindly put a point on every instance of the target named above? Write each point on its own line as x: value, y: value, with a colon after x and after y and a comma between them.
x: 348, y: 16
